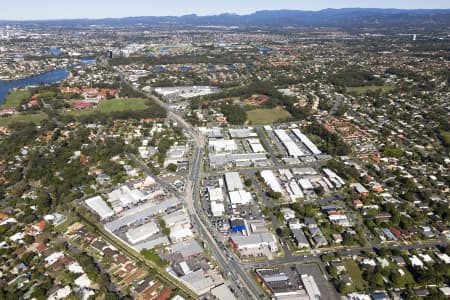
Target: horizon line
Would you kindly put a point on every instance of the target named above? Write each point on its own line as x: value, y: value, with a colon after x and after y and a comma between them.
x: 219, y: 14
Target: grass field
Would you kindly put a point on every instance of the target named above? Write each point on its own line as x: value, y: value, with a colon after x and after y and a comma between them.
x: 34, y: 118
x: 14, y: 98
x: 364, y: 89
x: 114, y: 105
x: 122, y: 105
x: 356, y: 274
x: 445, y: 135
x: 267, y: 116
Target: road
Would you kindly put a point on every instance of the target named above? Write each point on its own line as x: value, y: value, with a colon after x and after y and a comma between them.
x: 240, y: 280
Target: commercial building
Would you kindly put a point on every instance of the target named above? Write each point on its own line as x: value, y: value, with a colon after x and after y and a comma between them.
x: 233, y: 181
x: 175, y: 155
x: 222, y: 146
x: 280, y: 285
x: 240, y: 197
x: 98, y: 205
x: 220, y: 161
x: 294, y: 191
x: 188, y: 248
x: 271, y: 181
x: 263, y: 244
x: 217, y: 209
x: 290, y: 146
x: 215, y: 194
x: 311, y: 287
x: 124, y: 196
x: 307, y: 142
x: 198, y: 282
x: 242, y: 133
x: 222, y: 292
x: 141, y: 233
x: 140, y: 213
x: 185, y: 92
x: 256, y: 146
x: 237, y: 225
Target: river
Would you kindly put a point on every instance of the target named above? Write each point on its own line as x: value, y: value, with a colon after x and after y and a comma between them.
x: 49, y: 77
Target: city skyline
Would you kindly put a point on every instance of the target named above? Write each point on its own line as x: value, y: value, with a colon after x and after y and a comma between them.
x: 47, y: 9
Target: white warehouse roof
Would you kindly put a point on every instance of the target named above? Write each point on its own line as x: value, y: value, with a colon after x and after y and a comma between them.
x: 215, y: 194
x: 240, y: 197
x: 141, y: 233
x: 233, y: 181
x: 100, y: 207
x: 271, y: 181
x: 305, y: 140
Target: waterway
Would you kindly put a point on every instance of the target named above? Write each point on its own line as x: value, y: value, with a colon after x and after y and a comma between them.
x: 49, y: 77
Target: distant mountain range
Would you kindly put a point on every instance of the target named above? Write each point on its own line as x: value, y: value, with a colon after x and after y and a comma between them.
x: 346, y: 18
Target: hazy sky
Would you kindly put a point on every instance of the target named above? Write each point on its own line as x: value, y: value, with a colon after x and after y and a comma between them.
x: 53, y: 9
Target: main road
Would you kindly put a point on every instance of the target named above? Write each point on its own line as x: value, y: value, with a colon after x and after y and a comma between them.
x: 239, y: 278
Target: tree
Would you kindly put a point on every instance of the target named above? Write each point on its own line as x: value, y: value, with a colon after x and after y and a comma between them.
x: 319, y: 190
x: 274, y: 195
x: 248, y: 182
x: 397, y: 279
x: 172, y: 167
x: 333, y: 271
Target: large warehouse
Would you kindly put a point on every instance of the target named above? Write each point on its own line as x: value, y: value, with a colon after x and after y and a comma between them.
x: 98, y: 205
x: 141, y: 233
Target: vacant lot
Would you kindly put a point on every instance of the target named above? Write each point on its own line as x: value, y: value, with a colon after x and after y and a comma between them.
x: 356, y: 274
x: 267, y: 116
x: 34, y: 118
x: 14, y: 98
x: 108, y: 106
x: 365, y: 89
x: 122, y: 105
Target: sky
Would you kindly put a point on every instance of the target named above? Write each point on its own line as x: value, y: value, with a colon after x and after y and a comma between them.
x: 63, y: 9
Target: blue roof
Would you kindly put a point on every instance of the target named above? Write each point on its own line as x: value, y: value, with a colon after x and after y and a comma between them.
x: 185, y: 69
x: 159, y: 69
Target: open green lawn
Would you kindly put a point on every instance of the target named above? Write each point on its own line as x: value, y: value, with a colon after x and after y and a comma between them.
x: 122, y: 105
x: 445, y: 135
x: 14, y: 98
x: 364, y: 89
x: 267, y: 116
x: 113, y: 105
x: 34, y: 118
x: 356, y: 274
x: 78, y: 113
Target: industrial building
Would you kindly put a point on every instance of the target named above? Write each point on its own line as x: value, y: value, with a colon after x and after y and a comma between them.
x: 307, y: 142
x: 271, y: 181
x: 175, y: 155
x: 185, y: 92
x: 217, y: 209
x: 141, y: 212
x: 233, y: 181
x: 220, y: 161
x: 311, y: 287
x: 222, y: 146
x: 141, y: 233
x: 263, y: 244
x: 280, y: 285
x: 100, y: 207
x: 240, y: 197
x: 242, y: 133
x: 291, y: 147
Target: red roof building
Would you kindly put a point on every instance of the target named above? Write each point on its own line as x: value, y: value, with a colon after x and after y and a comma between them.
x: 164, y: 295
